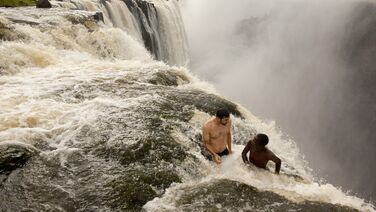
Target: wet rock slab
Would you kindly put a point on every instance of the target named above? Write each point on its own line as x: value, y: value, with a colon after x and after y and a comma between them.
x: 227, y: 195
x: 14, y: 155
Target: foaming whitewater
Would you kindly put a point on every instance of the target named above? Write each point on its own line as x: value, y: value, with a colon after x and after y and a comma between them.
x: 172, y: 33
x: 155, y: 22
x: 117, y: 13
x: 99, y: 118
x: 295, y: 181
x: 61, y: 40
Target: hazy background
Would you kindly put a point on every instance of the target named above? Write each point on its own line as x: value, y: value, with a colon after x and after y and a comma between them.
x: 308, y: 65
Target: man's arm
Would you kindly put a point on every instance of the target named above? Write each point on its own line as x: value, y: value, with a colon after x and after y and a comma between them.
x: 277, y: 162
x: 229, y: 141
x: 229, y: 137
x: 245, y: 151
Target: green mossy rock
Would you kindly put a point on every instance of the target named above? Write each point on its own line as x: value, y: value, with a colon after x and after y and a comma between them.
x: 17, y: 3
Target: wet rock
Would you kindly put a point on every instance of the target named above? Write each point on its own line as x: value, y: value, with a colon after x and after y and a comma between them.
x: 7, y: 32
x: 42, y: 186
x: 139, y: 186
x: 167, y: 78
x: 208, y: 103
x: 98, y: 16
x: 81, y: 19
x: 230, y: 195
x: 163, y: 149
x: 90, y: 25
x: 130, y: 195
x: 91, y: 22
x: 14, y: 155
x: 17, y: 3
x: 176, y: 98
x: 43, y: 4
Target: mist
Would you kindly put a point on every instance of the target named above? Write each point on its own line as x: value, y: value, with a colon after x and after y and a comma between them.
x: 306, y: 65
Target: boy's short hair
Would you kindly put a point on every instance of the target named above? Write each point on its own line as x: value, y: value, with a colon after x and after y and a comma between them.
x: 262, y: 139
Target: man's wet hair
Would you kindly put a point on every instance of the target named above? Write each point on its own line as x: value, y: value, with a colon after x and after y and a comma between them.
x: 223, y: 112
x: 262, y: 139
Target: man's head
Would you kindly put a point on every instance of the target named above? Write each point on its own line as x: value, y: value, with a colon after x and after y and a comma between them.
x: 261, y: 139
x: 223, y: 115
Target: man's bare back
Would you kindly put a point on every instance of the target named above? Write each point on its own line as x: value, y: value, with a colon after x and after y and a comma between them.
x: 217, y: 136
x: 259, y: 154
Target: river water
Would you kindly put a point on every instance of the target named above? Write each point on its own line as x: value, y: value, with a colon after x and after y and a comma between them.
x: 116, y: 129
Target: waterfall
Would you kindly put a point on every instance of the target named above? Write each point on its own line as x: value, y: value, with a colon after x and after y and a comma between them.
x: 172, y: 32
x: 157, y: 23
x: 146, y: 16
x: 117, y: 13
x: 91, y: 121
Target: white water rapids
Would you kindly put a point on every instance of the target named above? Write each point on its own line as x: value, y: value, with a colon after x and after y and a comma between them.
x: 55, y: 55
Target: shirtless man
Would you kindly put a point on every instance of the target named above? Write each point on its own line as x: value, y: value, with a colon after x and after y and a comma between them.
x: 217, y: 135
x: 259, y: 154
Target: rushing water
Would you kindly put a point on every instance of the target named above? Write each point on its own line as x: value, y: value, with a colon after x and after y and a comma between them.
x: 100, y: 125
x: 306, y: 64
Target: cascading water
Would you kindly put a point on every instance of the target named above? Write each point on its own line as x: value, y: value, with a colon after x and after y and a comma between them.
x: 89, y: 121
x: 157, y: 23
x: 308, y: 65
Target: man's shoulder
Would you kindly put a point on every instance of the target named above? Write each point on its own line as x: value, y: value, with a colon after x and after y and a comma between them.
x: 229, y: 123
x: 208, y: 124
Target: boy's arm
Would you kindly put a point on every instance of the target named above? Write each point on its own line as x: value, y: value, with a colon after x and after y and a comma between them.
x: 277, y: 162
x: 245, y: 151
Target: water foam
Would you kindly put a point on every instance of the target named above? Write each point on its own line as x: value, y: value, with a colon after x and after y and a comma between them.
x: 62, y: 57
x: 295, y: 181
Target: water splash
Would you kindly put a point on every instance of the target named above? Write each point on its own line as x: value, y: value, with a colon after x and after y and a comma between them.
x: 100, y: 93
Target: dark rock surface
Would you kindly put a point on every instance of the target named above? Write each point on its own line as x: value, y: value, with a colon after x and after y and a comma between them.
x: 232, y: 195
x: 43, y: 4
x: 14, y: 155
x: 98, y: 16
